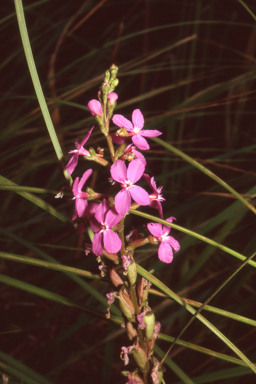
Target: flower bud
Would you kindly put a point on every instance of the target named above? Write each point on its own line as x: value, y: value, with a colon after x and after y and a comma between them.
x: 107, y: 76
x: 126, y: 305
x: 105, y: 88
x: 133, y: 377
x: 115, y: 277
x: 113, y: 71
x: 114, y: 84
x: 140, y: 357
x: 95, y: 107
x: 112, y: 98
x: 149, y: 320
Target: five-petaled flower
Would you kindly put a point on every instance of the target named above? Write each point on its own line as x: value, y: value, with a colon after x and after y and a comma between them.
x: 104, y: 236
x: 161, y: 233
x: 127, y: 178
x: 155, y: 197
x: 80, y: 196
x: 135, y: 129
x: 78, y: 151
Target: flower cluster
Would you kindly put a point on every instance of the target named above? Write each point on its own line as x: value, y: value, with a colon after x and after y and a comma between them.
x: 105, y: 215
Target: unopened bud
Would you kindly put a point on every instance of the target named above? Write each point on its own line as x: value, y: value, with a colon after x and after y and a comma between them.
x: 133, y: 377
x: 115, y: 277
x: 107, y: 76
x: 113, y: 71
x: 149, y: 320
x: 105, y: 88
x: 126, y: 305
x: 114, y: 84
x: 140, y: 357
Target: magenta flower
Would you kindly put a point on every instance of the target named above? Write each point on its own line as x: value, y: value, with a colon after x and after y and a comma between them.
x: 104, y: 236
x: 78, y: 151
x: 155, y: 197
x: 127, y: 178
x: 95, y: 107
x: 80, y: 196
x: 161, y: 233
x: 135, y: 128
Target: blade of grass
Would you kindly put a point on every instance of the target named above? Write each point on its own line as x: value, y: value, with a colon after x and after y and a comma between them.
x: 37, y: 85
x: 205, y: 170
x: 207, y: 323
x: 35, y: 200
x: 21, y: 371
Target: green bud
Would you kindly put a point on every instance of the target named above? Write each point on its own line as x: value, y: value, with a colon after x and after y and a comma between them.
x: 113, y: 71
x: 92, y: 152
x: 107, y: 76
x: 114, y: 84
x: 132, y: 272
x: 105, y: 88
x: 149, y: 320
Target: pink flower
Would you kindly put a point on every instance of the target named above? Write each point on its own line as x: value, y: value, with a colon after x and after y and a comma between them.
x: 135, y: 128
x: 156, y: 197
x: 95, y: 107
x: 112, y: 98
x: 124, y: 354
x: 78, y: 151
x: 127, y: 178
x: 80, y: 196
x: 104, y: 236
x: 141, y: 325
x: 161, y: 233
x: 133, y: 380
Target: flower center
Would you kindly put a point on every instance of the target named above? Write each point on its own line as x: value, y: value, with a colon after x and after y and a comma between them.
x: 136, y: 130
x: 127, y: 184
x: 104, y: 227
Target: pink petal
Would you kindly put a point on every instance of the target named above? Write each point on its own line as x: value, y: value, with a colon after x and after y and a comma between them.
x: 75, y: 186
x: 137, y: 119
x: 111, y: 241
x: 101, y: 211
x: 117, y: 139
x: 86, y: 137
x: 165, y: 253
x: 95, y: 107
x: 140, y: 142
x: 81, y: 205
x: 95, y: 226
x: 135, y: 170
x: 112, y: 218
x: 166, y: 229
x: 155, y: 229
x: 123, y: 202
x: 97, y: 243
x: 139, y: 155
x: 118, y: 171
x: 85, y: 176
x: 157, y: 205
x: 174, y: 243
x: 121, y: 121
x: 150, y: 133
x: 140, y: 195
x: 72, y: 164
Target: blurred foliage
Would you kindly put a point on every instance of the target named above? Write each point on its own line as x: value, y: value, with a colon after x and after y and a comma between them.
x: 190, y: 67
